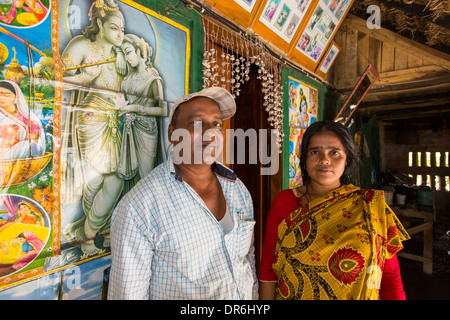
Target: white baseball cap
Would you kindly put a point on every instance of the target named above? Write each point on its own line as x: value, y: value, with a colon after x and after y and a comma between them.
x: 220, y: 95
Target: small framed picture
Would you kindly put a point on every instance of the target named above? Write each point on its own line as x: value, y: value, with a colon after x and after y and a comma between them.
x: 329, y: 58
x: 271, y: 7
x: 246, y: 4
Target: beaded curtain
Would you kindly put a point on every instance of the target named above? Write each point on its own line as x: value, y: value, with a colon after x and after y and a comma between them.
x: 226, y: 63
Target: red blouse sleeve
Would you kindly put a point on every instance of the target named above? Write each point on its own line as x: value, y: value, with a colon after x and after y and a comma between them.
x: 284, y: 203
x: 391, y: 281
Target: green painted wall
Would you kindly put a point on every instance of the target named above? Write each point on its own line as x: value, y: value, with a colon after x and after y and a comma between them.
x: 178, y: 12
x: 370, y: 131
x: 329, y: 105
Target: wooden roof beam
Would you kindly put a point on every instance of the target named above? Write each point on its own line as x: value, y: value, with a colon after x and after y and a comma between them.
x: 420, y: 75
x: 414, y: 48
x: 412, y: 114
x: 397, y: 104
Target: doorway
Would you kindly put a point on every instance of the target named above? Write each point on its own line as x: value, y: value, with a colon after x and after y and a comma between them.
x: 250, y: 114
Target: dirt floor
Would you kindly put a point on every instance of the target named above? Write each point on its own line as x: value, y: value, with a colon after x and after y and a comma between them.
x: 420, y: 286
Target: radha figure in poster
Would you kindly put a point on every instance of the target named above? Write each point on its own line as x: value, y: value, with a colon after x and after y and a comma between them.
x: 142, y: 144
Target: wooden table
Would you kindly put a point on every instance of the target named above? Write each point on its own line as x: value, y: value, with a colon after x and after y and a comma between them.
x: 427, y: 228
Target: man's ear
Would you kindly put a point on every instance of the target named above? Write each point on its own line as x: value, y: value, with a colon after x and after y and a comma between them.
x: 170, y: 131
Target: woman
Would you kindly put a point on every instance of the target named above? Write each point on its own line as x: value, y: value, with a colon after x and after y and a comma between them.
x: 142, y: 146
x: 328, y: 240
x: 31, y: 247
x: 26, y: 215
x: 21, y: 132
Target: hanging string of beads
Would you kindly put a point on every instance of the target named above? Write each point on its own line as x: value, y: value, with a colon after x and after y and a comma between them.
x: 227, y: 59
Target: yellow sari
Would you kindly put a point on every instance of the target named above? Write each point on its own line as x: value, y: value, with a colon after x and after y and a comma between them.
x: 335, y: 247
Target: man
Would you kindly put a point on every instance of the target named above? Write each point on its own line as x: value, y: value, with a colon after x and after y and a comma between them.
x: 185, y: 231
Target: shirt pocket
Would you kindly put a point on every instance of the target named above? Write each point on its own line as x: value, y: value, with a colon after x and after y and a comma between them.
x: 245, y: 237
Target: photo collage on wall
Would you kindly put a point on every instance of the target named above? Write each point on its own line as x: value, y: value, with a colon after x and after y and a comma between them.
x: 303, y: 106
x: 321, y: 26
x: 284, y: 16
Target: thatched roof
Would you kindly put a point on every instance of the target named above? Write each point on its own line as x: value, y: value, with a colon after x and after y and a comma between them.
x: 426, y: 21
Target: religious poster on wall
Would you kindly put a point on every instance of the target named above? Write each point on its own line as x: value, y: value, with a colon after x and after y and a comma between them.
x: 303, y: 106
x: 28, y: 221
x: 284, y: 16
x: 320, y: 27
x: 85, y: 92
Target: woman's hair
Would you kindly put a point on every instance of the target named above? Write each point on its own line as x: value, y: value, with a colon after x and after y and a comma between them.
x: 344, y: 136
x: 145, y: 49
x: 102, y: 10
x: 9, y: 86
x: 21, y: 204
x: 21, y: 235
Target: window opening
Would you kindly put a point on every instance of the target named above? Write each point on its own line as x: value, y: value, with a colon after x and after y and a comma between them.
x: 428, y: 182
x: 419, y: 180
x: 422, y: 164
x: 437, y: 183
x: 428, y: 159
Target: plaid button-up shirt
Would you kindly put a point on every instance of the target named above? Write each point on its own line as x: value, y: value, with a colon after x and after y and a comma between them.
x: 166, y: 244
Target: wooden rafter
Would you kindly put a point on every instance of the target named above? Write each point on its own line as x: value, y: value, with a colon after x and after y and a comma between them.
x: 420, y: 76
x: 419, y: 50
x: 413, y: 114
